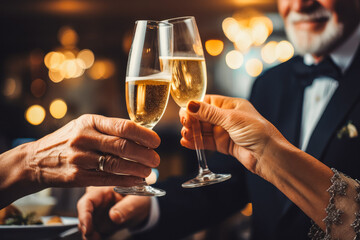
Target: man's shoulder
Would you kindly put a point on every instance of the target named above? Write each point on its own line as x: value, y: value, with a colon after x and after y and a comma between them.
x: 274, y: 81
x: 280, y: 71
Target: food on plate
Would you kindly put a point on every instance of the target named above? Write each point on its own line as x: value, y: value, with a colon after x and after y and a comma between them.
x: 11, y: 215
x: 54, y: 220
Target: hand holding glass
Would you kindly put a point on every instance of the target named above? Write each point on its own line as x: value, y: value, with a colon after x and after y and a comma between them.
x: 189, y: 83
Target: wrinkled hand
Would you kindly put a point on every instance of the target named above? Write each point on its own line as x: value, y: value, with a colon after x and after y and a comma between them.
x: 230, y: 126
x: 101, y: 212
x: 69, y: 156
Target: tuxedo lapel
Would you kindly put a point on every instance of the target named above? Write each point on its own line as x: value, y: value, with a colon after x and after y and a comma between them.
x: 336, y: 111
x: 291, y: 103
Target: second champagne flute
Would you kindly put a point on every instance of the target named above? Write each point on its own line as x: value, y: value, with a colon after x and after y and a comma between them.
x: 148, y: 83
x: 189, y: 83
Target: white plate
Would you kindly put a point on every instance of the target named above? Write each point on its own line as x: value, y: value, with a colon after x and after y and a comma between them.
x: 18, y: 232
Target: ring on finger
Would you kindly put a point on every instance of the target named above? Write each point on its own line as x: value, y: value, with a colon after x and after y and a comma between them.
x: 101, y: 162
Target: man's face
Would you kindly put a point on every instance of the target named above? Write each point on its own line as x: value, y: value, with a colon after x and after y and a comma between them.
x: 319, y: 26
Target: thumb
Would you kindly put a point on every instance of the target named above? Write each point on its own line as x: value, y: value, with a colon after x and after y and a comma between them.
x: 130, y: 211
x: 206, y: 113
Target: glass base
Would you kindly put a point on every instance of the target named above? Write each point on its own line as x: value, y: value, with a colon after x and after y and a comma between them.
x: 206, y: 179
x: 143, y: 190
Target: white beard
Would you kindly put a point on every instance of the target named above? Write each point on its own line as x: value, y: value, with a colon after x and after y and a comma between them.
x: 313, y: 43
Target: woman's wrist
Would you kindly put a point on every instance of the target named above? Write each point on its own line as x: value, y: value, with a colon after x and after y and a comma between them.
x: 302, y: 178
x: 269, y: 162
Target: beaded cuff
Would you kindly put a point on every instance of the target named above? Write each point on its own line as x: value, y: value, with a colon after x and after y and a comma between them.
x: 343, y: 217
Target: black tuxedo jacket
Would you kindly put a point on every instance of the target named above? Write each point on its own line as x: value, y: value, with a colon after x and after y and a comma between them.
x: 275, y: 96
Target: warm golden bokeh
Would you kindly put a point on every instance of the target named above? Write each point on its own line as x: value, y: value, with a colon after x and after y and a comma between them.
x: 10, y: 87
x: 67, y: 37
x: 254, y: 67
x: 247, y: 211
x: 102, y: 69
x: 214, y: 47
x: 268, y: 52
x: 38, y: 87
x: 231, y: 28
x: 284, y: 51
x: 88, y: 58
x: 35, y: 114
x: 243, y: 40
x: 234, y: 59
x: 58, y: 108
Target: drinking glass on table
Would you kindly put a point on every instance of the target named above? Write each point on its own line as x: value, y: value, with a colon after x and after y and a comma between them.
x: 189, y: 83
x: 148, y: 83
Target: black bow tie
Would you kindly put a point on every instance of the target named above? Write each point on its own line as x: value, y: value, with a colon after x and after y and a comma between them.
x: 306, y: 74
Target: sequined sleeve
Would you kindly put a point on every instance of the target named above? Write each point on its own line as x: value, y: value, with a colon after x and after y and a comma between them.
x: 343, y: 211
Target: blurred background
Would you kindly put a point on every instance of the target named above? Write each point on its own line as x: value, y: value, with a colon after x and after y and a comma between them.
x: 60, y: 59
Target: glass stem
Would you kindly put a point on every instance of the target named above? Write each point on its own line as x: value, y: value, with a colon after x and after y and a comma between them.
x: 199, y: 147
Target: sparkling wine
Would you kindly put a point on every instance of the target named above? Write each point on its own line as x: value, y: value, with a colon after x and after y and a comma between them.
x: 188, y: 79
x: 147, y: 98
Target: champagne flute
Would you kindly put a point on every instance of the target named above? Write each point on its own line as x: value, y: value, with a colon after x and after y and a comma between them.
x: 189, y: 83
x: 148, y: 83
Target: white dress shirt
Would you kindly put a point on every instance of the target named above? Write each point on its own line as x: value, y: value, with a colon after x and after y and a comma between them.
x: 318, y: 95
x: 316, y: 98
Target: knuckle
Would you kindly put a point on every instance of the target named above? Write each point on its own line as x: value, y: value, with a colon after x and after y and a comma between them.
x: 77, y: 139
x: 210, y: 113
x: 74, y: 158
x: 84, y: 121
x: 121, y: 145
x: 71, y: 176
x: 113, y: 165
x: 80, y: 203
x: 123, y: 126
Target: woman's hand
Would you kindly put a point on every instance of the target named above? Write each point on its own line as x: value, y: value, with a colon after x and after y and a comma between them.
x: 230, y: 126
x: 69, y: 157
x: 102, y: 211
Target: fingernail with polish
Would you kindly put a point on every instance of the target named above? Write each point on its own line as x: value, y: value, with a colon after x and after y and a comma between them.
x: 193, y: 106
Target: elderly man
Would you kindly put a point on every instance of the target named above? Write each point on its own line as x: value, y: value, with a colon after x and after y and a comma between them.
x: 314, y: 100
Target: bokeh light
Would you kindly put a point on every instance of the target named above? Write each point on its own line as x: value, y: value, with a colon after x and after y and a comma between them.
x: 56, y: 76
x: 69, y: 55
x: 58, y: 108
x: 38, y: 87
x: 247, y: 211
x: 254, y: 67
x: 284, y: 51
x: 87, y: 56
x: 259, y: 32
x: 231, y: 28
x: 67, y: 36
x: 234, y: 59
x: 53, y: 60
x: 263, y: 20
x: 243, y: 40
x: 35, y: 114
x: 214, y: 46
x: 268, y: 52
x: 10, y: 87
x: 69, y: 68
x: 102, y: 69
